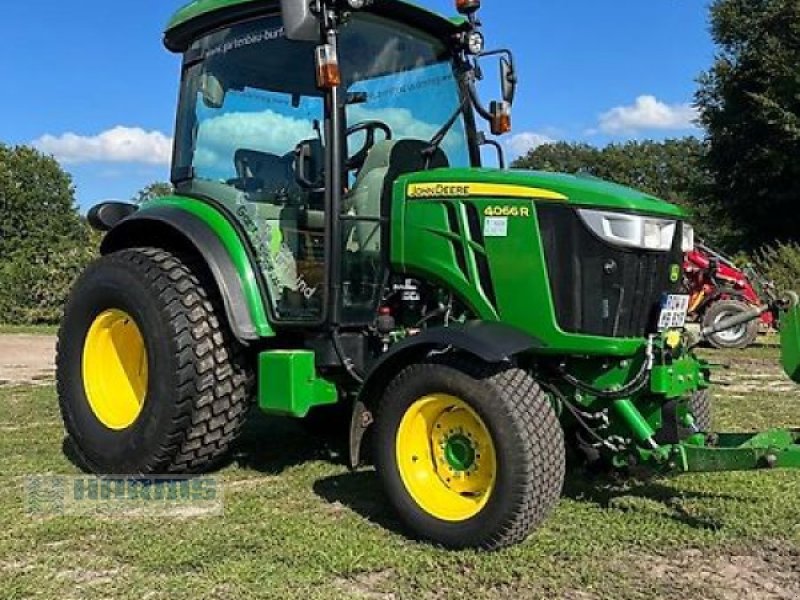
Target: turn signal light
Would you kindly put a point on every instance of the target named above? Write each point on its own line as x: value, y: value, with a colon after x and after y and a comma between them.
x: 467, y: 7
x: 501, y: 118
x: 328, y: 74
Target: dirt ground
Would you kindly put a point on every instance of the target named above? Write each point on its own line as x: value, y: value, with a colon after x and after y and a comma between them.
x: 27, y: 359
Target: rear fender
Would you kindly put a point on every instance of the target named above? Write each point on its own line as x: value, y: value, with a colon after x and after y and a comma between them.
x: 165, y: 225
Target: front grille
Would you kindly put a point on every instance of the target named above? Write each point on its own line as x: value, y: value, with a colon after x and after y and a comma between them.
x: 600, y: 289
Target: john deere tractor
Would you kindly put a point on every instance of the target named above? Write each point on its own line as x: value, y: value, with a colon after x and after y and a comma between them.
x: 333, y: 241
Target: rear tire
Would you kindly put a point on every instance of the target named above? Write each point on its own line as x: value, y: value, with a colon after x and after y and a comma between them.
x: 732, y: 339
x: 510, y: 424
x: 197, y: 387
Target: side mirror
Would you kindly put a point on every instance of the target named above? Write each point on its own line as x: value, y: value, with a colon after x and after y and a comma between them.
x: 508, y: 79
x: 212, y: 91
x: 299, y: 22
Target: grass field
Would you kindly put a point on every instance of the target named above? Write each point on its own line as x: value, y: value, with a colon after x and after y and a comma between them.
x: 297, y: 524
x: 28, y: 329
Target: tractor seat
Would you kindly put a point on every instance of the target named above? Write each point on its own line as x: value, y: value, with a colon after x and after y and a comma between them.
x: 371, y: 195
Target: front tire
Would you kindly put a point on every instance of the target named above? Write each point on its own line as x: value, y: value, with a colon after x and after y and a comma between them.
x: 150, y: 379
x: 469, y: 456
x: 736, y: 338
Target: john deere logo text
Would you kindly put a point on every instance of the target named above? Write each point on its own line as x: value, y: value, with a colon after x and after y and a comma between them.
x: 438, y: 190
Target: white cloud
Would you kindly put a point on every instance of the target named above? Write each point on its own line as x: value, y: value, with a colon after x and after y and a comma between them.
x: 218, y: 138
x: 521, y: 143
x: 647, y: 113
x: 119, y: 145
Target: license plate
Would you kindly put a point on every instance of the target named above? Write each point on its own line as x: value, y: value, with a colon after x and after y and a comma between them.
x: 674, y: 308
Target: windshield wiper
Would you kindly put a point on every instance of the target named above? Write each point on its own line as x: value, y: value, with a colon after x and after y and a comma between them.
x: 436, y: 140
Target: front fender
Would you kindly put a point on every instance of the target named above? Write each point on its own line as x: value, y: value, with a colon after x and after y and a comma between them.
x: 183, y: 222
x: 487, y: 341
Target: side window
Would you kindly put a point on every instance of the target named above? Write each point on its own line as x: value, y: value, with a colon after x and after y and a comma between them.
x: 254, y: 100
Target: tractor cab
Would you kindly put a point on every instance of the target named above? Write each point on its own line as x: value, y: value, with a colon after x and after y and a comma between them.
x: 297, y: 125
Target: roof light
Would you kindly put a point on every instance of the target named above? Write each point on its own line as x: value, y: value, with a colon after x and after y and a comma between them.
x: 467, y: 7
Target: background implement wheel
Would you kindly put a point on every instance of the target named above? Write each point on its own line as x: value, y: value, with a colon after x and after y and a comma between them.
x: 150, y: 379
x: 469, y: 456
x: 736, y: 337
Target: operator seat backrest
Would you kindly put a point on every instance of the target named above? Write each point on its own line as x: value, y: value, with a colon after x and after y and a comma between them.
x: 371, y: 196
x: 273, y: 173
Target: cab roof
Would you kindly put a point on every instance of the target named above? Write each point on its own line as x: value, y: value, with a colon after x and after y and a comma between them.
x: 201, y: 16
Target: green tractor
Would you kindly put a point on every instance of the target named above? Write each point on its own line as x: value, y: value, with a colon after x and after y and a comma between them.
x: 333, y: 241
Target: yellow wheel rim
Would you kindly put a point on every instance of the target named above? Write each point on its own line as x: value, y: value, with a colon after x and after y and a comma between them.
x: 446, y: 457
x: 115, y: 369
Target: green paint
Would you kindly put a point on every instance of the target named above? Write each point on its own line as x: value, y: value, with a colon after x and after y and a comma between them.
x: 459, y: 453
x: 288, y: 384
x: 790, y: 340
x: 580, y: 190
x: 776, y: 448
x: 198, y: 8
x: 633, y: 419
x: 235, y: 247
x: 677, y: 379
x: 422, y: 245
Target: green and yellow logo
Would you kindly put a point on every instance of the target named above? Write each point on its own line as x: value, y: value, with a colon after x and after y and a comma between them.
x: 480, y: 190
x: 675, y: 273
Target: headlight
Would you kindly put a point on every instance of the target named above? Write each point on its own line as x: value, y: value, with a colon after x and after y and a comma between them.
x: 687, y: 243
x: 633, y: 231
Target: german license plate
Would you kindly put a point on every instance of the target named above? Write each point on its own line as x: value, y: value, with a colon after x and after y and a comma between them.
x: 674, y: 308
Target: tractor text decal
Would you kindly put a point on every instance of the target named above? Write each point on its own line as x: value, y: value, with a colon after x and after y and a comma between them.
x: 485, y: 190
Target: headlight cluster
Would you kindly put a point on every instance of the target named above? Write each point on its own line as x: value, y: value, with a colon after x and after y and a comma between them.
x: 635, y: 231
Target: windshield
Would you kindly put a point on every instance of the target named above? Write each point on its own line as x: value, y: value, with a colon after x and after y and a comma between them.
x: 403, y: 78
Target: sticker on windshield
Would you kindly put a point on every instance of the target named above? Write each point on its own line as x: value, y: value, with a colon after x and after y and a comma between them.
x: 496, y: 227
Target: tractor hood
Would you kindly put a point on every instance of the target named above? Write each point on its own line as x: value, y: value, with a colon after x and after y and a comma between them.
x: 580, y: 190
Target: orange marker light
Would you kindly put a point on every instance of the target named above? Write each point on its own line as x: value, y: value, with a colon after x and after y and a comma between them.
x: 466, y: 7
x: 328, y: 74
x: 501, y: 118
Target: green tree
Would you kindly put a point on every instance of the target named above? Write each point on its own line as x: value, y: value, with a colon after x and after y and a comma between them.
x: 153, y: 191
x: 44, y: 243
x: 37, y: 203
x: 673, y: 170
x: 750, y: 105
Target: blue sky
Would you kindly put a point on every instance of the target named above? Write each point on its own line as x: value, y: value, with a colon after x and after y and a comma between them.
x: 90, y: 81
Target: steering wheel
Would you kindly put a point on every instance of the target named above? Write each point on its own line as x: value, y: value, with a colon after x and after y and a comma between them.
x: 370, y: 128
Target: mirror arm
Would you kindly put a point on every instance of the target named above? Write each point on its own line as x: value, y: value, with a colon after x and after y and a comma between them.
x: 501, y: 154
x: 476, y: 101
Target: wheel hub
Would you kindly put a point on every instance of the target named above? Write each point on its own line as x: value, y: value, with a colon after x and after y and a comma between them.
x: 446, y: 457
x: 115, y: 370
